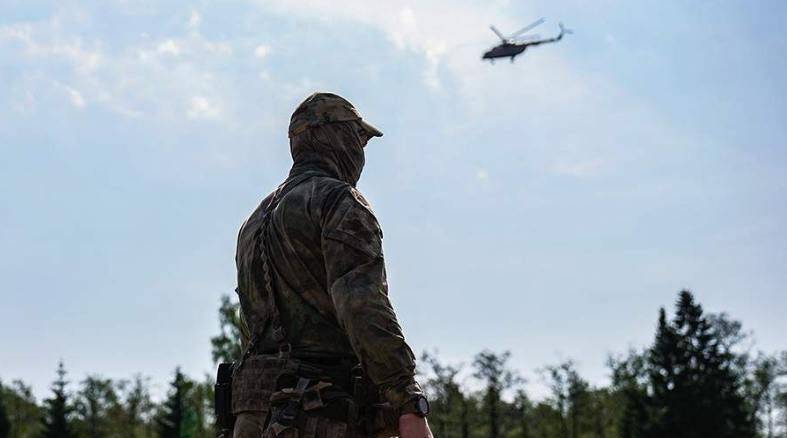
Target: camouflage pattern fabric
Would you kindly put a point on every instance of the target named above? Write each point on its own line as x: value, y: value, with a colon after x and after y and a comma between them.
x: 253, y: 425
x: 324, y: 108
x: 325, y: 252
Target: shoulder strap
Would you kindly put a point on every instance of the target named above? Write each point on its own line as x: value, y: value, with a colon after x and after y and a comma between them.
x: 269, y: 297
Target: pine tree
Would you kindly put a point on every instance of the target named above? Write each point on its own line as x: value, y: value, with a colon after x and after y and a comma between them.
x: 662, y: 367
x: 175, y: 417
x: 5, y: 423
x: 57, y: 410
x: 693, y: 378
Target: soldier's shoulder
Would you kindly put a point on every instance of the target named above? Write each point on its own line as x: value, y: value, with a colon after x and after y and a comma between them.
x: 330, y: 193
x: 256, y: 216
x: 353, y: 222
x: 355, y: 199
x: 359, y: 198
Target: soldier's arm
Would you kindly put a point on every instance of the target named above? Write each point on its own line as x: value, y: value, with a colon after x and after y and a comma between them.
x: 352, y: 245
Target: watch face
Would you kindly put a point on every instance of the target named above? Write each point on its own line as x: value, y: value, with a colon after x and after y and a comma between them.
x: 422, y: 405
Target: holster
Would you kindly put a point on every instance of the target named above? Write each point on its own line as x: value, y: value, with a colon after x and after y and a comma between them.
x: 222, y: 400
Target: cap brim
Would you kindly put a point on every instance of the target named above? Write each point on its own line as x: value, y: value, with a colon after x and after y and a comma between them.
x: 369, y: 128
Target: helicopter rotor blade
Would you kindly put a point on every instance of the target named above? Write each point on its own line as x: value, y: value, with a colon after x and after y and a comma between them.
x: 528, y: 38
x: 497, y: 32
x: 528, y: 27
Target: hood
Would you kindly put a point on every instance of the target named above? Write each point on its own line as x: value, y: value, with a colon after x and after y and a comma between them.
x: 335, y: 149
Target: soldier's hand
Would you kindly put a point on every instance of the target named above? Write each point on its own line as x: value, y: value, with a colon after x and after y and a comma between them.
x: 413, y: 426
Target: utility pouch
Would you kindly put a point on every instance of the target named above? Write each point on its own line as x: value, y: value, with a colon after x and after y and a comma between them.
x: 306, y: 408
x: 222, y: 400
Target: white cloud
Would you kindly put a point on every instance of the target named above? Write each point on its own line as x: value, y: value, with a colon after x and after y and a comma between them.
x: 185, y: 74
x: 451, y: 45
x: 149, y: 77
x: 71, y: 49
x: 169, y: 47
x: 201, y: 108
x: 262, y: 51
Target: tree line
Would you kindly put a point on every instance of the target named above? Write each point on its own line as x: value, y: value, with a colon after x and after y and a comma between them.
x: 698, y: 379
x: 101, y: 407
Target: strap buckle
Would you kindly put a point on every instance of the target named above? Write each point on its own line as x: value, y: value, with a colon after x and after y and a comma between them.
x: 285, y: 350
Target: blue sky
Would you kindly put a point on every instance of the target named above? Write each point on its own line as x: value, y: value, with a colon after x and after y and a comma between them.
x: 547, y: 206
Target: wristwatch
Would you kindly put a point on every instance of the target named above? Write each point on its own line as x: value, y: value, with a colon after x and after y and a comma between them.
x: 418, y: 406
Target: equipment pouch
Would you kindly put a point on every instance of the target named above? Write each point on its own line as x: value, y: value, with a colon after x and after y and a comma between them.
x: 254, y: 382
x: 305, y: 408
x: 222, y: 400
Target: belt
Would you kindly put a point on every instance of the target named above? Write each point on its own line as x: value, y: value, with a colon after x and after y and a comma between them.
x: 338, y: 369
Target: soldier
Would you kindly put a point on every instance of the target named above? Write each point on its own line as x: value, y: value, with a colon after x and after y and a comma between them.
x: 324, y: 355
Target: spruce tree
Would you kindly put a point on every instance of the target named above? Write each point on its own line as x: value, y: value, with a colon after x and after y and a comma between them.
x: 696, y: 391
x: 175, y: 416
x: 57, y: 410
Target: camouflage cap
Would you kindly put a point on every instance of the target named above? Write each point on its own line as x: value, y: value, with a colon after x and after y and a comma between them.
x: 322, y: 108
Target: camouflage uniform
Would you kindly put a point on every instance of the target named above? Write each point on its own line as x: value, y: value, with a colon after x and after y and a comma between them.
x: 321, y: 256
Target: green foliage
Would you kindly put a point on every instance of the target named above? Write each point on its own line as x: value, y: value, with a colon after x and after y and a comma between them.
x: 138, y: 408
x: 491, y: 368
x: 5, y: 423
x: 58, y: 410
x: 97, y: 408
x: 630, y: 389
x: 445, y: 395
x: 24, y: 415
x: 174, y: 415
x: 185, y: 412
x: 766, y: 389
x: 695, y: 380
x: 693, y: 377
x: 226, y: 346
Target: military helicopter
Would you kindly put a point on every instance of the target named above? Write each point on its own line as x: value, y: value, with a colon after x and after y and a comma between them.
x: 511, y: 47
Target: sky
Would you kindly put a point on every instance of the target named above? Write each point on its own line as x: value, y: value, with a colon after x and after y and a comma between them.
x: 547, y: 206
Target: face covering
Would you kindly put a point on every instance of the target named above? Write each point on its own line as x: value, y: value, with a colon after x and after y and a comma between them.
x: 334, y: 148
